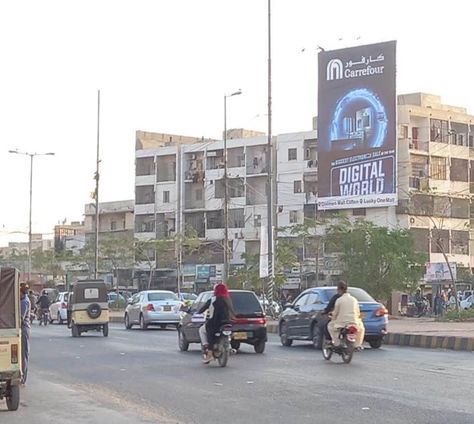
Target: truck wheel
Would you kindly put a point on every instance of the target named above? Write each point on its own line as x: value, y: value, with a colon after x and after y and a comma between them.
x: 75, y: 330
x: 105, y: 330
x: 13, y: 399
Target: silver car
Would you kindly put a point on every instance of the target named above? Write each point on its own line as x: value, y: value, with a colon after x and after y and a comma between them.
x: 153, y: 307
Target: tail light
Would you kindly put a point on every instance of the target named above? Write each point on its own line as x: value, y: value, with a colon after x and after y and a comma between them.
x: 63, y: 306
x: 260, y: 321
x: 381, y: 312
x: 14, y: 351
x: 352, y: 329
x: 150, y: 307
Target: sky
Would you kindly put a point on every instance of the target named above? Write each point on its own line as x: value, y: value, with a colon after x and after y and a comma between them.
x: 165, y: 65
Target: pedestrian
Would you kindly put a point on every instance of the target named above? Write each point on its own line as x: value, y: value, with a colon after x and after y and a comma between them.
x: 25, y: 330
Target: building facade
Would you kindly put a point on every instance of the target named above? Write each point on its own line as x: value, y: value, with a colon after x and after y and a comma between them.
x: 182, y: 183
x: 69, y: 237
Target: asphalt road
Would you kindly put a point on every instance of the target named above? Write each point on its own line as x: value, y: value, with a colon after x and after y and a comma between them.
x: 141, y: 377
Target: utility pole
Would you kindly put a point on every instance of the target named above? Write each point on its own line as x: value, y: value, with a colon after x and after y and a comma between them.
x: 225, y: 273
x: 179, y: 220
x: 30, y: 232
x: 96, y: 252
x: 270, y: 215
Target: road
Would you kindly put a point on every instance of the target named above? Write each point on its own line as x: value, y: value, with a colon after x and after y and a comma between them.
x: 140, y: 377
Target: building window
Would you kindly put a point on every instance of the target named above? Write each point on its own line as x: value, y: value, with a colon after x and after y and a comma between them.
x: 198, y: 194
x: 166, y: 196
x: 459, y: 170
x: 297, y: 186
x: 293, y: 217
x: 145, y: 166
x: 144, y: 223
x: 421, y: 237
x: 215, y: 219
x: 460, y: 242
x: 292, y: 154
x: 257, y: 221
x: 144, y: 194
x: 438, y: 168
x: 440, y: 241
x: 439, y: 131
x: 358, y: 212
x: 113, y: 225
x: 236, y: 218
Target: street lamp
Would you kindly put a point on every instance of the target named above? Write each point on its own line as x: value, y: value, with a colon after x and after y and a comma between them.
x: 225, y: 273
x: 31, y: 155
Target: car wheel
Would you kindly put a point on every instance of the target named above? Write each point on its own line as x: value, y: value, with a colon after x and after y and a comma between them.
x: 105, y: 330
x: 317, y: 337
x: 13, y: 399
x: 143, y: 324
x: 235, y: 345
x: 259, y: 347
x: 163, y: 326
x: 128, y: 325
x: 375, y: 344
x: 182, y: 342
x: 285, y: 341
x: 60, y: 320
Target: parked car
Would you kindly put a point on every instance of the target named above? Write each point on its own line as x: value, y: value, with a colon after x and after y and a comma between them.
x: 467, y: 303
x: 153, y: 307
x: 250, y: 325
x: 58, y: 309
x: 112, y: 300
x: 303, y: 320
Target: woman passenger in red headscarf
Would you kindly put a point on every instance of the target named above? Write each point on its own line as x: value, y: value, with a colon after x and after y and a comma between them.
x: 221, y: 312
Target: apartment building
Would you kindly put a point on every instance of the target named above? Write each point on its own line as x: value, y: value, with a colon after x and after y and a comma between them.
x: 436, y: 176
x: 435, y: 185
x: 69, y: 237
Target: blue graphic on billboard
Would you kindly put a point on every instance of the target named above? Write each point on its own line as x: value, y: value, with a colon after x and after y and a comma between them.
x: 357, y: 127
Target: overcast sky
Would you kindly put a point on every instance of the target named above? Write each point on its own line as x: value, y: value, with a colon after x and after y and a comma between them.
x: 165, y: 65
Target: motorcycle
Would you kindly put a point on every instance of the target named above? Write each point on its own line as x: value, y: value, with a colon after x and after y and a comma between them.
x: 423, y: 307
x: 44, y: 317
x: 221, y: 348
x: 346, y: 347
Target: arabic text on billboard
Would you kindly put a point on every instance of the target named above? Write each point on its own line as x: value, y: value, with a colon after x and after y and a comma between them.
x: 357, y: 127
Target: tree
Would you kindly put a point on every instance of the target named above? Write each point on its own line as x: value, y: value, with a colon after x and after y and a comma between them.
x: 377, y: 259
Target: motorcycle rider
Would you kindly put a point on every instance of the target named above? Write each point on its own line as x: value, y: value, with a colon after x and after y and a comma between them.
x: 327, y: 310
x: 220, y: 312
x: 44, y: 303
x: 419, y: 302
x: 346, y: 312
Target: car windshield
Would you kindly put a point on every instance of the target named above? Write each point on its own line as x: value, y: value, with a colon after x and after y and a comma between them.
x: 245, y: 303
x: 359, y: 294
x: 161, y: 296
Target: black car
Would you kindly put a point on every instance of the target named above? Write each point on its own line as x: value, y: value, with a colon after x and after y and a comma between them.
x: 249, y: 326
x: 302, y: 320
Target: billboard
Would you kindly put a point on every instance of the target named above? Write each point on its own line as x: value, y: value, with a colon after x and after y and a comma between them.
x: 357, y: 127
x: 438, y: 271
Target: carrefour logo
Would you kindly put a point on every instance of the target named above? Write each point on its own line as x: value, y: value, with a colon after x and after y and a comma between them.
x: 334, y: 69
x: 337, y: 70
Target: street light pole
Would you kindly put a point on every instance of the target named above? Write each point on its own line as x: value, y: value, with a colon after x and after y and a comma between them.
x: 30, y: 233
x: 225, y: 273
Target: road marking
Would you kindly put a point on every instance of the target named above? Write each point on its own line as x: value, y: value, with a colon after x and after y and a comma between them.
x: 120, y: 338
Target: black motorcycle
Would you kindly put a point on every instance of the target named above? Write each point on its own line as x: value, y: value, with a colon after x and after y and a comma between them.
x: 221, y: 348
x: 346, y: 347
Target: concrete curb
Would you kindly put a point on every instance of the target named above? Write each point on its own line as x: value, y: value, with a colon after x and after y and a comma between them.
x: 396, y: 339
x: 430, y: 342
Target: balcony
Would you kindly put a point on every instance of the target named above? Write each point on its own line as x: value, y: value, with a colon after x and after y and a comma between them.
x: 420, y: 145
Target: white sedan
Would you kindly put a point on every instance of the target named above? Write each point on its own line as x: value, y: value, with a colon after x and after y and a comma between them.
x: 467, y: 303
x: 58, y: 309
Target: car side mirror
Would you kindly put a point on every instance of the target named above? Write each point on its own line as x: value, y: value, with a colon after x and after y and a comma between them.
x: 296, y: 308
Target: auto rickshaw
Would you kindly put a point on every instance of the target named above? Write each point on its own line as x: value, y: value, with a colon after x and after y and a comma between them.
x: 10, y: 338
x: 88, y: 308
